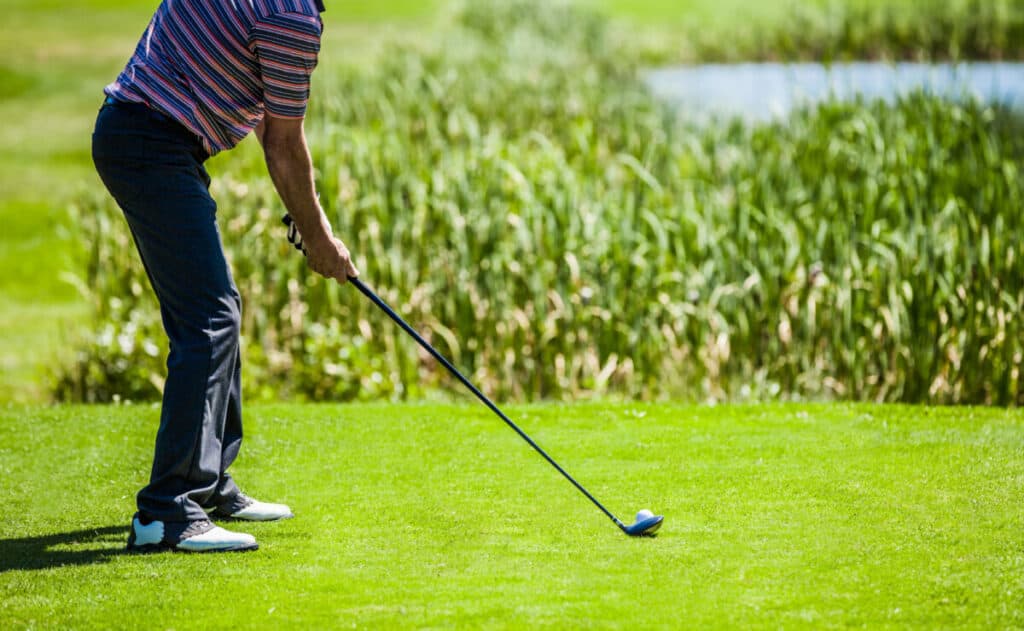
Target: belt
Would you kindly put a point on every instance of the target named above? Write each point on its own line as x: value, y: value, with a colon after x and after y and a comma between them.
x: 141, y: 108
x: 159, y: 118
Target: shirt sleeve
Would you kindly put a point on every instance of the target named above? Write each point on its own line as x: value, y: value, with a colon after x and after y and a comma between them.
x: 287, y: 45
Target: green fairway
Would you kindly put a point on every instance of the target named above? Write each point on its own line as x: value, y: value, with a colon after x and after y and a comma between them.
x: 717, y: 12
x: 409, y: 516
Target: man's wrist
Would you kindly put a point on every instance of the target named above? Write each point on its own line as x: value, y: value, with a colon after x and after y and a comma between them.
x: 319, y: 233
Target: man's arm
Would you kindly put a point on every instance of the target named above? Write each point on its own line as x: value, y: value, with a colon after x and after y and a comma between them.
x: 291, y: 169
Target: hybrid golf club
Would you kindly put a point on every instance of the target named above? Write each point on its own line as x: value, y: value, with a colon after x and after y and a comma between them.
x: 646, y: 524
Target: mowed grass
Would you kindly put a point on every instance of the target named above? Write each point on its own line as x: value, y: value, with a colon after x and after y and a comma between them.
x: 718, y: 12
x: 427, y: 515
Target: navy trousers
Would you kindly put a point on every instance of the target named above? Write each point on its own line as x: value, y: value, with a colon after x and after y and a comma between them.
x: 153, y: 167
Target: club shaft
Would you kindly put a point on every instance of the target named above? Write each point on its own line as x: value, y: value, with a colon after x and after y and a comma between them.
x: 480, y: 395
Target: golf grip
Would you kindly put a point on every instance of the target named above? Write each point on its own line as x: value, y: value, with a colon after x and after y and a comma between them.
x: 480, y: 395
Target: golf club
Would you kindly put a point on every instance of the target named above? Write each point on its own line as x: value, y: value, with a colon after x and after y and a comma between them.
x: 646, y: 524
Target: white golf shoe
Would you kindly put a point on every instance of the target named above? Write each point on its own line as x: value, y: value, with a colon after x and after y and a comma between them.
x: 192, y: 536
x: 247, y: 509
x: 262, y: 511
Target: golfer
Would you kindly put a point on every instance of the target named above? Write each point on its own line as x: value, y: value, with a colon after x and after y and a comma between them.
x: 205, y: 74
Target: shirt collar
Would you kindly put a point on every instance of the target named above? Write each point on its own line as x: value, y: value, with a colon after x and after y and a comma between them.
x: 320, y: 6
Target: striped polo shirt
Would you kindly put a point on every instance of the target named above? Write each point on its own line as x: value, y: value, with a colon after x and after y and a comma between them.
x: 216, y: 66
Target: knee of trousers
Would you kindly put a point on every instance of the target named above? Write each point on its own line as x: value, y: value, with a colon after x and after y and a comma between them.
x: 226, y: 323
x: 208, y: 327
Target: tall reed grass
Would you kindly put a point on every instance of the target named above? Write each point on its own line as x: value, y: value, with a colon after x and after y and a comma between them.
x: 523, y: 200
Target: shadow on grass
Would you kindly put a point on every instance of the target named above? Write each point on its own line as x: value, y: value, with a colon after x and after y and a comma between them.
x: 81, y: 547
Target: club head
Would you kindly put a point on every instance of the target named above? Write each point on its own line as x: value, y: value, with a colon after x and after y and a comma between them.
x: 645, y: 527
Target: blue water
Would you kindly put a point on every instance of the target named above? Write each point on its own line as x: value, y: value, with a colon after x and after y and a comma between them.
x: 759, y: 92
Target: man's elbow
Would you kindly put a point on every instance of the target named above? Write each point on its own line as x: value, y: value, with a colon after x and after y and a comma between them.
x: 280, y: 153
x: 275, y: 146
x: 284, y: 144
x: 282, y: 134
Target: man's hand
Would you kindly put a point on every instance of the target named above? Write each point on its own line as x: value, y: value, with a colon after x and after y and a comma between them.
x: 330, y: 258
x: 291, y: 169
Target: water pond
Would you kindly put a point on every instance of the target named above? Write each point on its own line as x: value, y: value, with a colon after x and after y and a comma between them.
x: 764, y: 91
